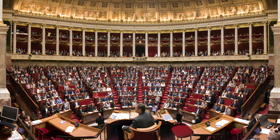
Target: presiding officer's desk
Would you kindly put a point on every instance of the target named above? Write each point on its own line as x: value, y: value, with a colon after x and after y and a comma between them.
x: 54, y: 125
x: 114, y: 126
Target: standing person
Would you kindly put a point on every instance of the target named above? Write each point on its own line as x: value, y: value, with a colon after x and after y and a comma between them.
x: 179, y: 116
x: 100, y: 119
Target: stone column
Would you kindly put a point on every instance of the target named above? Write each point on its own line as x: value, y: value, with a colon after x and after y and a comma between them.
x: 236, y: 39
x: 133, y: 44
x: 84, y: 42
x: 171, y: 43
x: 71, y: 41
x: 15, y: 37
x: 121, y: 44
x: 146, y: 44
x: 209, y: 41
x: 4, y: 93
x: 96, y: 43
x: 43, y: 39
x: 57, y: 40
x: 264, y: 37
x: 274, y: 99
x: 29, y: 39
x: 196, y: 43
x: 222, y: 40
x: 108, y: 42
x: 184, y: 42
x: 250, y: 39
x: 158, y: 44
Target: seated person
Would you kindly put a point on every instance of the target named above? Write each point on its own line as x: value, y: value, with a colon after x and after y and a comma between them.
x: 204, y: 104
x: 216, y: 107
x: 221, y: 108
x: 227, y: 111
x: 124, y: 104
x: 197, y: 113
x: 197, y: 102
x: 107, y: 104
x: 220, y: 100
x: 234, y: 104
x: 80, y: 112
x: 143, y: 120
x: 58, y: 100
x: 166, y: 104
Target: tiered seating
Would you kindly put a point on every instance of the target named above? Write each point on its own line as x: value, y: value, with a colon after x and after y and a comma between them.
x: 125, y: 80
x: 154, y: 81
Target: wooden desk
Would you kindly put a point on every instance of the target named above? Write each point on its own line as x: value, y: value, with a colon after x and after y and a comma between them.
x: 67, y: 114
x: 200, y: 128
x: 188, y: 116
x: 172, y: 112
x: 54, y: 122
x: 108, y: 111
x: 114, y: 126
x: 213, y: 113
x: 128, y: 108
x: 90, y: 117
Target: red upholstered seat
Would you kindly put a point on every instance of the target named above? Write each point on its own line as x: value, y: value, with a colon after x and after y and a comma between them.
x: 236, y: 134
x: 234, y: 131
x: 181, y: 130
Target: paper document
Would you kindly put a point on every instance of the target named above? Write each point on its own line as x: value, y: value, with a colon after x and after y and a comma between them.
x: 119, y: 116
x: 221, y: 123
x: 36, y: 122
x: 69, y: 129
x: 278, y: 121
x: 210, y: 128
x: 265, y: 131
x: 15, y: 136
x: 167, y: 117
x: 242, y: 121
x: 89, y: 112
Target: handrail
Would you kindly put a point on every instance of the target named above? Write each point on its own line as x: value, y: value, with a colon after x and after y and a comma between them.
x: 254, y: 96
x: 26, y: 129
x: 85, y: 137
x: 28, y: 100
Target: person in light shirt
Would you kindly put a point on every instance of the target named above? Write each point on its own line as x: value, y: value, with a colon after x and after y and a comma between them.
x: 58, y: 100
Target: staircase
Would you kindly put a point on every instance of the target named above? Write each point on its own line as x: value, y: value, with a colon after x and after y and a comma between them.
x: 140, y: 92
x: 164, y: 95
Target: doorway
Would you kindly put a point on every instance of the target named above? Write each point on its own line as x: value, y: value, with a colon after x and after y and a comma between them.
x: 140, y: 50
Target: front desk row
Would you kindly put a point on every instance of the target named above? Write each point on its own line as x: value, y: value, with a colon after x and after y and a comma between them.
x: 218, y: 123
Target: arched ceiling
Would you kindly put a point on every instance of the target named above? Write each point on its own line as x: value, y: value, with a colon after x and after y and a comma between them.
x: 140, y: 10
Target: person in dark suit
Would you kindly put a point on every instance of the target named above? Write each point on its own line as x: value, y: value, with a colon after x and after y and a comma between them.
x: 234, y: 104
x: 179, y: 116
x: 100, y: 120
x: 220, y: 100
x: 90, y: 108
x: 252, y: 122
x: 197, y: 102
x: 216, y: 107
x: 143, y: 120
x: 212, y: 99
x: 45, y: 111
x: 197, y: 113
x: 27, y: 122
x: 80, y: 112
x: 46, y: 102
x: 221, y: 109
